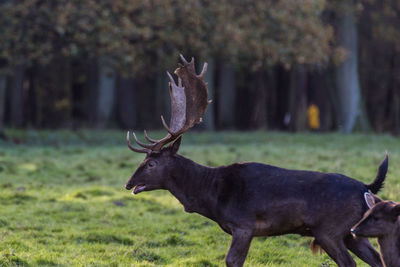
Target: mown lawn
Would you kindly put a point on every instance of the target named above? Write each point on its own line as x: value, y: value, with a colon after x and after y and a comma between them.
x: 63, y: 202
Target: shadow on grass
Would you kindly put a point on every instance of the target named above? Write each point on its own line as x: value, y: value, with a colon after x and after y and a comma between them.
x: 12, y: 260
x: 48, y: 263
x: 149, y: 205
x: 3, y: 223
x: 104, y: 239
x: 16, y: 198
x: 141, y: 254
x: 91, y: 193
x: 172, y: 240
x: 202, y: 263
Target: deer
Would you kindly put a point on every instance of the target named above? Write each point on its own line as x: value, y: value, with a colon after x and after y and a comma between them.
x: 383, y: 222
x: 250, y: 199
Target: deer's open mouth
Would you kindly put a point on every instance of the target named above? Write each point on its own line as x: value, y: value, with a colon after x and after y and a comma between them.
x: 139, y: 188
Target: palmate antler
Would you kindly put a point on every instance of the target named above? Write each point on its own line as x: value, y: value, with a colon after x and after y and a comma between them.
x: 189, y: 100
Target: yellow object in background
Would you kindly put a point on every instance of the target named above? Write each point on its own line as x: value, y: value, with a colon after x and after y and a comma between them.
x: 313, y: 117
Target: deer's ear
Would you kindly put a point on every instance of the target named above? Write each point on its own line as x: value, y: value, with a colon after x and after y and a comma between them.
x: 174, y: 146
x: 369, y: 199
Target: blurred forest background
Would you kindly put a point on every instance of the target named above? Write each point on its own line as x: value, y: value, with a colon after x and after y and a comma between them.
x: 99, y: 63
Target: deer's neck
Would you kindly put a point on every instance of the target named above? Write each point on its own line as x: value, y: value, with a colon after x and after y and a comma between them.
x: 390, y: 247
x: 193, y: 185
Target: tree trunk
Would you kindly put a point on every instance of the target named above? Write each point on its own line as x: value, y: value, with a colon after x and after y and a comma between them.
x: 272, y: 99
x: 106, y: 92
x: 347, y: 80
x: 333, y: 97
x: 298, y: 99
x: 396, y: 95
x: 396, y: 112
x: 282, y: 96
x: 226, y: 97
x: 52, y: 87
x: 208, y: 118
x: 259, y: 113
x: 17, y: 97
x: 162, y: 97
x: 127, y: 102
x: 323, y: 95
x: 92, y: 94
x: 3, y: 84
x: 62, y: 92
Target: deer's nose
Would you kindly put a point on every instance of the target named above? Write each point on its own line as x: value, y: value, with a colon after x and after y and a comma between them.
x: 128, y: 186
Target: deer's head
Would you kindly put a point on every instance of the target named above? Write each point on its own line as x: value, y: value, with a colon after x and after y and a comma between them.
x: 189, y: 100
x: 378, y: 221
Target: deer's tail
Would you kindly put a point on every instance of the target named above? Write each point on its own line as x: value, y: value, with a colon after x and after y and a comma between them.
x: 377, y: 184
x: 315, y: 247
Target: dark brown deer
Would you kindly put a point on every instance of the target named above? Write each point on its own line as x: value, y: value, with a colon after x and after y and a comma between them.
x: 252, y: 199
x: 382, y: 221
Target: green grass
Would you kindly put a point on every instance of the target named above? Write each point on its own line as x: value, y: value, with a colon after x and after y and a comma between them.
x: 63, y: 202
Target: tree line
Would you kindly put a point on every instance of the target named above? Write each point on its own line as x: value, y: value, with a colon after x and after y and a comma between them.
x: 99, y: 63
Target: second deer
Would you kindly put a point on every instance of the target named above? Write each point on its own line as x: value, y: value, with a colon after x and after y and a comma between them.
x: 382, y: 221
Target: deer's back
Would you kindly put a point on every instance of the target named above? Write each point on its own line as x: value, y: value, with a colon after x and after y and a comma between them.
x: 288, y: 199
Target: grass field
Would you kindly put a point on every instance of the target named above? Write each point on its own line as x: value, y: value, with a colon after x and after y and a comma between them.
x: 63, y: 202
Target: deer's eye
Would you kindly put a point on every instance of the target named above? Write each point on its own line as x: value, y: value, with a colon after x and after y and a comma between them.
x: 151, y: 164
x: 374, y: 218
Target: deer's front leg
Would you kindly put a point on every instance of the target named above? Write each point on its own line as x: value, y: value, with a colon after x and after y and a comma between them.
x: 241, y: 240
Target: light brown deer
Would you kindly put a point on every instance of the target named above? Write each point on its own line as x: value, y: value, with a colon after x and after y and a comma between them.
x: 382, y: 221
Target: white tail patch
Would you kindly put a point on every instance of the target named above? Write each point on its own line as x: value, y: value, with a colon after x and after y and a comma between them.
x: 369, y: 199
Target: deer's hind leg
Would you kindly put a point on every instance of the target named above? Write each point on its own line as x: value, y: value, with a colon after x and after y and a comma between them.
x: 364, y: 250
x: 336, y: 249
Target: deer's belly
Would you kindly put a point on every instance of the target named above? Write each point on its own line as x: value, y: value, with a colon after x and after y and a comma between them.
x: 272, y: 228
